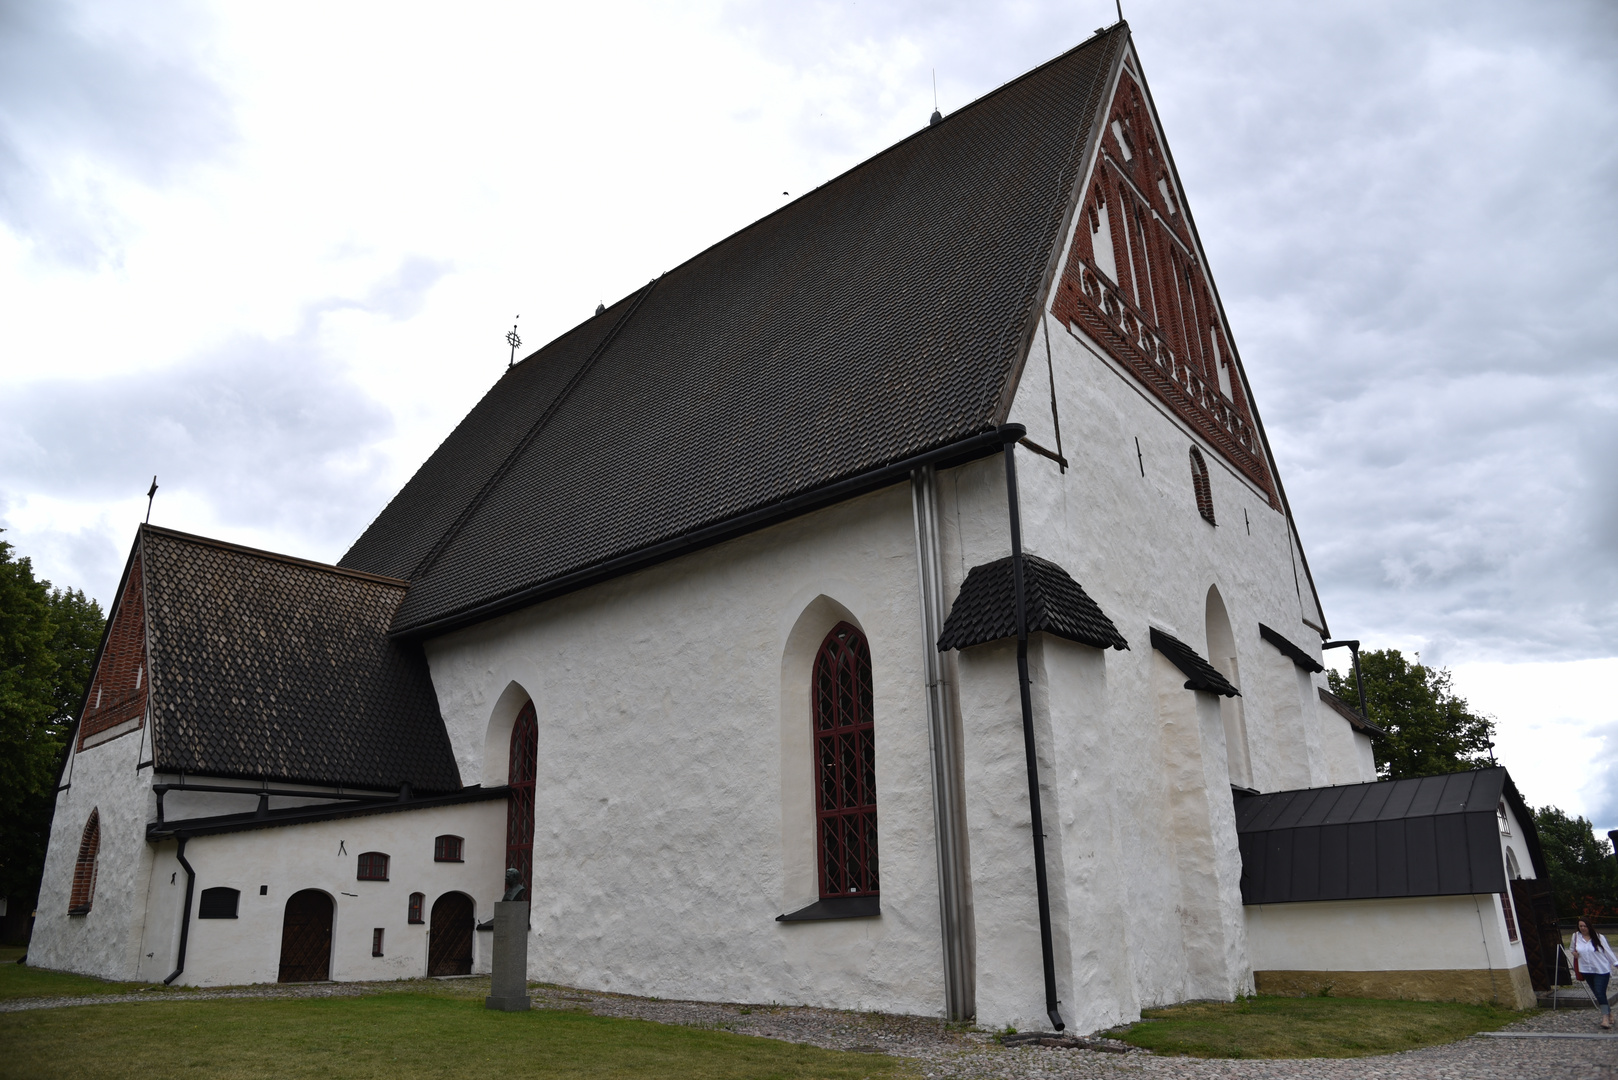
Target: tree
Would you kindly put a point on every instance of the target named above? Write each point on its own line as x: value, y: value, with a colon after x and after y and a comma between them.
x: 1429, y: 729
x: 1584, y: 875
x: 48, y: 640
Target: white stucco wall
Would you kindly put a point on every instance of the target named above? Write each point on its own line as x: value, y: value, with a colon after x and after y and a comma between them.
x: 674, y: 809
x: 106, y: 941
x: 324, y: 856
x: 1418, y: 933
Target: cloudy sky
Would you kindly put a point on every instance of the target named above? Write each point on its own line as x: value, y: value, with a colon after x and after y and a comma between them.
x: 268, y: 252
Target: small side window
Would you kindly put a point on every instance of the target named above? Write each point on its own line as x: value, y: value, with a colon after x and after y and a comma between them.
x: 416, y: 900
x: 376, y: 942
x: 218, y: 903
x: 447, y: 849
x: 1505, y: 819
x: 373, y: 866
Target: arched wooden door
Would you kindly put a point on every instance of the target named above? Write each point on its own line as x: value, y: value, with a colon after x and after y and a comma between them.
x: 449, y: 940
x: 306, y: 937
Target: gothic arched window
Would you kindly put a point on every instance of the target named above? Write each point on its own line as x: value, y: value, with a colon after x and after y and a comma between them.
x: 84, y: 871
x: 845, y: 765
x: 520, y: 802
x: 1199, y: 484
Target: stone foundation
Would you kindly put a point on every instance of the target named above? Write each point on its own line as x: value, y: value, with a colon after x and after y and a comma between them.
x: 1510, y: 988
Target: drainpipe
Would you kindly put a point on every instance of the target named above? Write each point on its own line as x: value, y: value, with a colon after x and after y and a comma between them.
x: 944, y: 740
x: 1354, y: 650
x: 185, y: 917
x: 1047, y: 951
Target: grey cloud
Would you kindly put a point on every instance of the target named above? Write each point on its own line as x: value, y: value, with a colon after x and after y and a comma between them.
x: 80, y: 103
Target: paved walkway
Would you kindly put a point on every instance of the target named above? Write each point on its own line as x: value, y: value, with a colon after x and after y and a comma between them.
x: 951, y: 1052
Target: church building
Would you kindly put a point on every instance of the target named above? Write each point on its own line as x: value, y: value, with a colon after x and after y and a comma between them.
x: 896, y: 607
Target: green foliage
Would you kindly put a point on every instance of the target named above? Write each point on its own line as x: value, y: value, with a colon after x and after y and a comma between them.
x: 1309, y: 1027
x: 1430, y: 730
x: 1584, y: 875
x: 395, y: 1036
x: 48, y: 639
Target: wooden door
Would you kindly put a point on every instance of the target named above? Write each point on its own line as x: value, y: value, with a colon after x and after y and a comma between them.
x: 449, y: 942
x: 306, y: 937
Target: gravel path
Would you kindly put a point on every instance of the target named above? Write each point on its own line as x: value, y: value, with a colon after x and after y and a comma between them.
x: 955, y: 1052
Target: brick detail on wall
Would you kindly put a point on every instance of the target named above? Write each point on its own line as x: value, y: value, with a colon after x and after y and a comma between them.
x: 84, y: 870
x: 1200, y: 485
x: 118, y: 690
x: 1158, y: 318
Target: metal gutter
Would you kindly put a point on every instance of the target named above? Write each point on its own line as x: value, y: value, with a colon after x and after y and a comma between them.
x: 944, y: 741
x: 1047, y: 951
x: 980, y: 445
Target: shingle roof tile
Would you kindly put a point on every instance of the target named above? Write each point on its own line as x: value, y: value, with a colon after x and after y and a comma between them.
x: 880, y: 316
x: 266, y: 667
x: 985, y: 609
x: 1199, y: 674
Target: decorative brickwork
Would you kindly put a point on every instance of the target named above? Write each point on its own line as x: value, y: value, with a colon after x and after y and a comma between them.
x: 118, y: 691
x: 1144, y: 296
x: 1199, y: 484
x: 84, y: 871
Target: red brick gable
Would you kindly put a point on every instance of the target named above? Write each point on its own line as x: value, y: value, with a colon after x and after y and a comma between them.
x: 118, y: 690
x: 1149, y: 304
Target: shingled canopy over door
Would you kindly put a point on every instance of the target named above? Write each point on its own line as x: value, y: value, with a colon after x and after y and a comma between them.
x: 449, y: 944
x: 306, y: 937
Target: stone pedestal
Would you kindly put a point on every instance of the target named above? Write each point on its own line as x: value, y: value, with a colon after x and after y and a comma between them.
x: 508, y: 969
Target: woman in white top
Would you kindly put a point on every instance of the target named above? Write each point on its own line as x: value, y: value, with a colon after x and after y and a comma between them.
x: 1593, y: 961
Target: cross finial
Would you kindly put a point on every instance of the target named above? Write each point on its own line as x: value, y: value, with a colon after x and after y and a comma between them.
x: 151, y: 492
x: 513, y: 340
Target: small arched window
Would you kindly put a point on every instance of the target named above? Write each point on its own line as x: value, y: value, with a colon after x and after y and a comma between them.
x: 845, y: 765
x: 1199, y: 484
x: 373, y: 866
x: 84, y: 871
x: 414, y: 913
x: 447, y: 849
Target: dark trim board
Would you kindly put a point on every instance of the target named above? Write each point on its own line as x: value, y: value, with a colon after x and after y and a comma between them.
x: 1290, y: 651
x: 836, y: 907
x: 300, y: 815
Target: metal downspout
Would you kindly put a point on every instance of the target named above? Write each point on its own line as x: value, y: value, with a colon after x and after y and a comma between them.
x: 944, y: 740
x: 185, y: 917
x: 1047, y: 951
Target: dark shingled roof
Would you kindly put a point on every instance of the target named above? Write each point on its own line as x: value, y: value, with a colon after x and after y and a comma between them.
x: 881, y: 316
x: 1349, y: 713
x: 1289, y: 650
x: 1199, y: 674
x: 986, y: 608
x: 1428, y: 836
x: 267, y: 667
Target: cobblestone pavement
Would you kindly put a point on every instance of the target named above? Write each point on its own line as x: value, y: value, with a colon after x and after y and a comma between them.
x: 955, y: 1052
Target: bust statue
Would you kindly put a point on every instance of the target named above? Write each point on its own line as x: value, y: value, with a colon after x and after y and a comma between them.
x: 514, y: 887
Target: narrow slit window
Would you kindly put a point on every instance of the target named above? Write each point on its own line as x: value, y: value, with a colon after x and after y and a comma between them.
x: 376, y: 942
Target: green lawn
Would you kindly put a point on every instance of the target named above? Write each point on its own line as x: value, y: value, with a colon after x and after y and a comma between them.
x: 1287, y: 1027
x: 392, y: 1036
x: 20, y: 981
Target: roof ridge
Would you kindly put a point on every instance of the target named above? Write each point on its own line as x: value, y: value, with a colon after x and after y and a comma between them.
x: 890, y: 148
x: 493, y: 479
x: 273, y: 556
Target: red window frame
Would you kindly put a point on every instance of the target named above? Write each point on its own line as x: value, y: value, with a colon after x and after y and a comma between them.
x: 447, y: 848
x: 523, y: 765
x: 84, y: 870
x: 376, y: 942
x: 1511, y: 915
x: 373, y: 866
x: 845, y: 765
x: 416, y: 901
